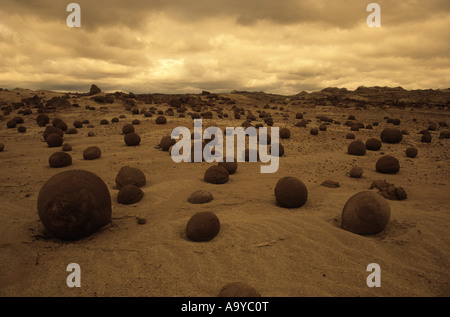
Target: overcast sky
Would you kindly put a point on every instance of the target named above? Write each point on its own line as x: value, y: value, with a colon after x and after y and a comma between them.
x: 186, y: 46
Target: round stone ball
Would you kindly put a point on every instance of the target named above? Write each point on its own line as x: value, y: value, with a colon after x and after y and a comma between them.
x: 356, y: 172
x: 356, y: 148
x: 92, y: 153
x: 314, y: 131
x: 132, y: 139
x: 203, y: 226
x: 22, y: 129
x: 280, y: 149
x: 387, y: 165
x: 231, y: 167
x: 61, y: 125
x: 136, y: 122
x: 11, y: 124
x: 200, y: 197
x: 42, y: 120
x: 216, y: 175
x: 291, y: 192
x: 426, y: 138
x: 66, y: 147
x: 52, y: 130
x: 411, y: 152
x: 166, y: 142
x: 350, y: 136
x: 129, y: 194
x: 366, y: 212
x: 128, y: 175
x: 238, y: 289
x: 104, y: 122
x: 54, y: 140
x: 285, y: 133
x: 391, y: 135
x: 161, y: 120
x: 127, y: 128
x: 60, y: 159
x: 74, y: 204
x: 373, y: 144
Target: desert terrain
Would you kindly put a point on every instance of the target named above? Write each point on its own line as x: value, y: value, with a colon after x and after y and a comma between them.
x: 280, y: 252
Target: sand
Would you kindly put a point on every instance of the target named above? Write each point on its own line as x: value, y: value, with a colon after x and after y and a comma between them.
x: 281, y: 252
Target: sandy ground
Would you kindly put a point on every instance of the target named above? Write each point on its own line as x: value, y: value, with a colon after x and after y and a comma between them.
x: 280, y: 252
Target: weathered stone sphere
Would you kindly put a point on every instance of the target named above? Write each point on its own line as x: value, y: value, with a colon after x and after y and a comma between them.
x: 132, y: 139
x: 104, y: 122
x: 129, y: 194
x: 356, y: 172
x: 391, y: 135
x: 161, y: 120
x: 350, y: 136
x: 285, y: 133
x: 366, y: 212
x: 200, y: 197
x: 203, y: 226
x: 52, y: 130
x: 92, y: 153
x: 231, y: 167
x: 387, y: 165
x: 74, y: 204
x: 54, y: 140
x: 216, y: 175
x: 136, y: 122
x: 291, y: 192
x: 411, y: 152
x: 71, y: 131
x: 61, y: 125
x: 130, y: 175
x: 373, y: 144
x: 11, y: 124
x: 426, y: 138
x: 238, y: 289
x: 314, y: 131
x: 60, y: 159
x: 66, y: 147
x: 42, y: 120
x: 22, y: 129
x: 127, y: 128
x: 166, y: 142
x: 356, y: 148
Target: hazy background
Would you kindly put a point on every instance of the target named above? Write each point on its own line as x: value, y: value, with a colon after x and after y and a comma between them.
x: 169, y: 46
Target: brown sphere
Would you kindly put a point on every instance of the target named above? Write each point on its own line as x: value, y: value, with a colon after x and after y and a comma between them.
x: 60, y: 159
x: 42, y: 120
x: 387, y: 165
x: 92, y: 153
x: 314, y: 131
x: 200, y: 197
x: 22, y: 129
x: 426, y: 138
x: 350, y: 136
x: 129, y: 194
x: 366, y: 212
x: 238, y: 289
x: 54, y: 140
x: 166, y: 142
x: 356, y: 172
x: 74, y: 204
x: 127, y: 128
x: 52, y: 130
x: 203, y: 226
x: 66, y: 147
x: 161, y: 120
x: 291, y: 192
x: 391, y: 135
x: 130, y: 175
x: 280, y: 149
x: 411, y: 152
x: 373, y: 144
x: 356, y: 148
x: 285, y: 133
x: 11, y: 124
x: 231, y: 167
x: 132, y: 139
x: 216, y: 175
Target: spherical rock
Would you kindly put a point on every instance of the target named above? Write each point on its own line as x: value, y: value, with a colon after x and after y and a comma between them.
x: 104, y: 122
x: 66, y: 147
x: 11, y: 124
x: 291, y: 192
x: 127, y: 128
x: 71, y: 131
x: 52, y: 130
x: 166, y: 142
x: 42, y: 120
x: 356, y: 172
x: 285, y: 133
x: 129, y: 194
x: 60, y: 159
x: 314, y: 131
x: 238, y: 289
x: 411, y: 152
x: 200, y: 197
x: 132, y: 139
x: 22, y: 129
x: 161, y: 120
x: 373, y: 144
x: 216, y: 175
x: 391, y: 135
x: 426, y: 138
x: 130, y: 175
x: 92, y: 153
x: 203, y: 226
x: 54, y: 140
x: 366, y: 212
x: 350, y: 136
x: 231, y: 166
x: 74, y: 204
x: 356, y: 148
x: 387, y: 165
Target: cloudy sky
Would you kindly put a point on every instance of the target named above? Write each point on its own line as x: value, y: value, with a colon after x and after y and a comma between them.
x: 186, y: 46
